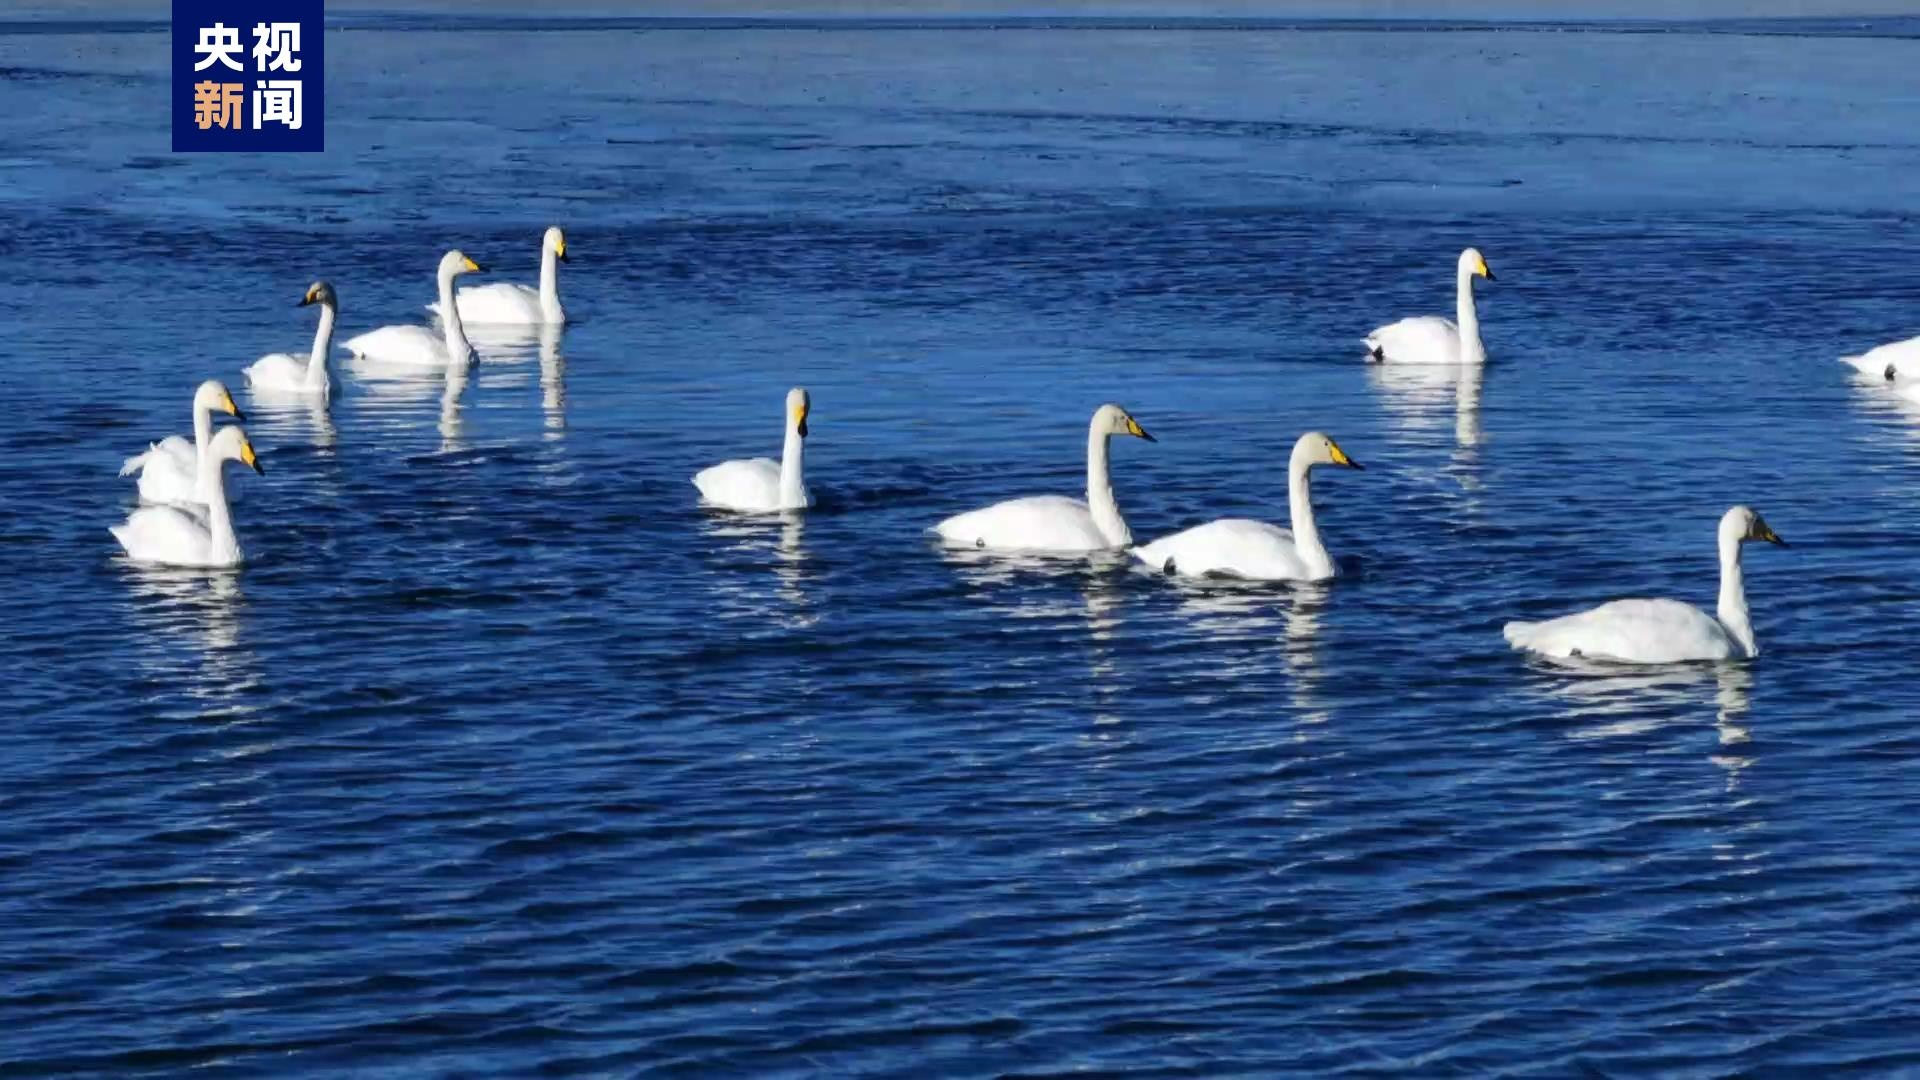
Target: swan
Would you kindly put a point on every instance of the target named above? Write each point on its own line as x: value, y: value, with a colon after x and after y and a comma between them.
x: 1237, y: 547
x: 504, y: 302
x: 416, y: 345
x: 294, y: 373
x: 1660, y: 631
x: 176, y: 537
x: 170, y: 469
x: 1901, y: 358
x: 761, y: 485
x: 1053, y: 522
x: 1430, y: 339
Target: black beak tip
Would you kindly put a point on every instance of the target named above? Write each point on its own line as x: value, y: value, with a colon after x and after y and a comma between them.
x: 259, y: 468
x: 239, y: 416
x: 1149, y: 438
x: 1780, y: 543
x: 1490, y: 276
x: 1352, y: 464
x: 562, y: 256
x: 803, y: 429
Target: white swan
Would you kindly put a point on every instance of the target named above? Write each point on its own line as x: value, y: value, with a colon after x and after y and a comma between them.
x: 1430, y: 339
x: 418, y: 346
x: 296, y: 373
x: 170, y: 469
x: 176, y: 537
x: 1238, y: 547
x: 1901, y: 358
x: 504, y: 302
x: 762, y: 485
x: 1660, y: 631
x: 1054, y: 522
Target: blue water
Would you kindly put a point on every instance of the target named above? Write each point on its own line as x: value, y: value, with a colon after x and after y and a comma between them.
x: 502, y: 757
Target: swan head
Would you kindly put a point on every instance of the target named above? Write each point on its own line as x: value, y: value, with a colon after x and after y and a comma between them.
x: 214, y: 397
x: 231, y: 444
x: 455, y: 262
x: 320, y: 293
x: 1743, y: 523
x: 1474, y: 264
x: 1315, y: 448
x: 798, y: 403
x: 1111, y: 419
x: 556, y: 242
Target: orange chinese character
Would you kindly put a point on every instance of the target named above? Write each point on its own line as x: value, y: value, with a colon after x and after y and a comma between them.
x: 217, y: 105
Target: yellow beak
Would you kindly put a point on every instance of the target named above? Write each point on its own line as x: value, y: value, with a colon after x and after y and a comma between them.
x: 248, y: 459
x: 1340, y: 457
x: 473, y: 266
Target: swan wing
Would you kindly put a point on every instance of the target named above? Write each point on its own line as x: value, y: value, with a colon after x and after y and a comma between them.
x: 1630, y: 631
x: 1902, y: 356
x: 496, y: 302
x: 165, y: 534
x: 400, y: 345
x: 751, y: 484
x: 1036, y: 523
x: 1235, y: 547
x: 1424, y: 339
x: 279, y: 371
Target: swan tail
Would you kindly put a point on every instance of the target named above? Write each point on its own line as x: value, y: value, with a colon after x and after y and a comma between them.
x: 1518, y: 634
x: 1375, y: 351
x: 137, y: 462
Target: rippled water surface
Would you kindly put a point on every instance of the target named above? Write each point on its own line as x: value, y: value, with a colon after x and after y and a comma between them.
x: 500, y: 756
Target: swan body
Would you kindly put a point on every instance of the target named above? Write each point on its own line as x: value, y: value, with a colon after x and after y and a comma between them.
x: 169, y: 470
x: 301, y: 373
x: 762, y: 485
x: 417, y: 346
x: 1901, y: 358
x: 1660, y: 631
x: 509, y: 303
x: 171, y: 536
x: 1049, y: 523
x: 1255, y: 550
x: 1430, y: 339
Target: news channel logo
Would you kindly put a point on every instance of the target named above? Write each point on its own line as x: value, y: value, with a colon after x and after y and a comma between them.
x: 249, y: 75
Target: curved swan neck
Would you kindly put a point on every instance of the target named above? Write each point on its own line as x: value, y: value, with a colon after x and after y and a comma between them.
x: 1106, y: 512
x: 549, y: 283
x: 322, y: 345
x: 1306, y: 534
x: 793, y: 477
x: 1733, y: 596
x: 202, y: 435
x: 1471, y: 350
x: 458, y: 351
x: 219, y: 521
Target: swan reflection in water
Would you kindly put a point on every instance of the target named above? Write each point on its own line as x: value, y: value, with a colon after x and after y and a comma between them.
x: 1633, y: 700
x: 290, y: 418
x: 773, y: 541
x: 452, y: 421
x: 191, y: 633
x: 553, y: 380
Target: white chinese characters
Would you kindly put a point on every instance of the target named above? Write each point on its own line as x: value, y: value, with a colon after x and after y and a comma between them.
x: 277, y: 101
x: 217, y: 44
x: 275, y: 45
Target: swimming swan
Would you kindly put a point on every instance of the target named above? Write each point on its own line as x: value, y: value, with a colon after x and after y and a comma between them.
x: 1052, y: 522
x: 176, y: 537
x: 761, y: 485
x: 416, y: 345
x: 170, y: 469
x: 1430, y: 339
x: 294, y: 373
x: 504, y: 302
x: 1256, y: 550
x: 1660, y: 631
x: 1901, y: 358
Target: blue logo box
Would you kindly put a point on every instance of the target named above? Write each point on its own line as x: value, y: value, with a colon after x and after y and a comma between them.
x: 249, y: 75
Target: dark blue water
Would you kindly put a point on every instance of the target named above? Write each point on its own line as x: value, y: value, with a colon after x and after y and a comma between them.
x: 502, y: 757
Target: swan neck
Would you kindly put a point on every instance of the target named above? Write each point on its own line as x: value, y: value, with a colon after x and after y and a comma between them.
x: 458, y: 351
x: 322, y: 345
x: 202, y: 436
x: 1733, y: 597
x: 213, y: 483
x: 549, y: 283
x: 793, y: 477
x: 1306, y: 534
x: 1471, y: 351
x: 1106, y: 512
